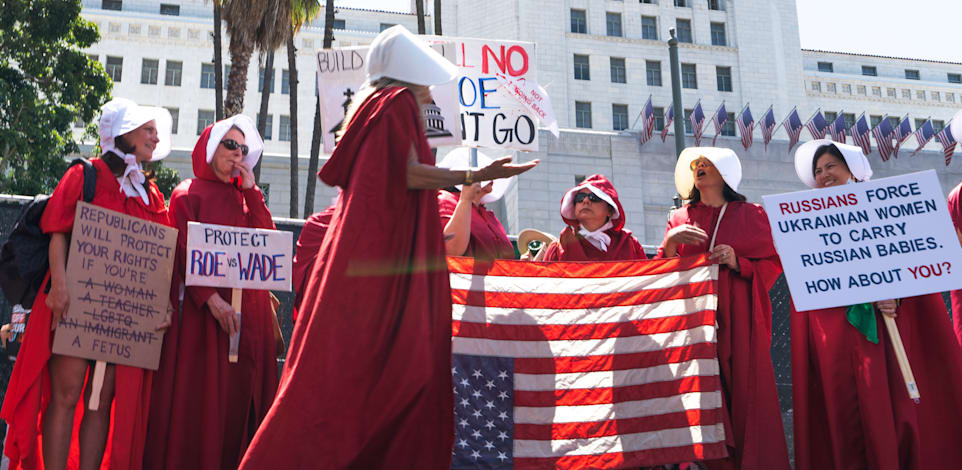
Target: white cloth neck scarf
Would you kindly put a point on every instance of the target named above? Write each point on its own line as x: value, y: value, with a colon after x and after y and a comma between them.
x: 599, y: 239
x: 133, y: 179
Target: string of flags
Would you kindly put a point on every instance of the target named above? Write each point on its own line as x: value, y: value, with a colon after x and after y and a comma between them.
x: 888, y: 138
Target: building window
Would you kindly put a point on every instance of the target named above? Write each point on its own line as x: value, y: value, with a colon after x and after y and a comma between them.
x: 172, y: 73
x: 386, y: 26
x: 681, y: 3
x: 728, y: 129
x: 718, y: 34
x: 175, y: 119
x: 168, y: 9
x: 649, y: 27
x: 869, y: 71
x: 874, y: 120
x: 613, y: 23
x: 830, y: 116
x: 816, y: 86
x: 260, y: 81
x: 207, y: 76
x: 582, y: 114
x: 890, y: 92
x: 716, y: 5
x: 619, y: 117
x: 115, y: 68
x: 830, y: 87
x: 149, y: 70
x: 688, y: 128
x: 920, y: 94
x: 284, y: 132
x: 847, y: 88
x: 659, y: 118
x: 876, y: 91
x: 649, y: 2
x: 938, y: 125
x: 618, y: 74
x: 936, y: 96
x: 912, y: 74
x: 227, y: 74
x: 894, y: 121
x: 860, y: 89
x: 268, y: 126
x: 955, y: 78
x: 919, y: 123
x: 205, y: 117
x: 950, y: 97
x: 683, y: 30
x: 826, y: 67
x: 579, y: 22
x: 906, y: 93
x: 689, y: 77
x: 581, y: 68
x: 111, y: 5
x: 285, y: 82
x: 653, y: 72
x: 339, y: 24
x: 723, y: 75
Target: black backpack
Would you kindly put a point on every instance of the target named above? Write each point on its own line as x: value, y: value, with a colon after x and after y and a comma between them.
x: 24, y: 258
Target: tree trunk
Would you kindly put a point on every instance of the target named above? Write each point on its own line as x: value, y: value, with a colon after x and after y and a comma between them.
x: 316, y: 136
x: 419, y: 7
x: 265, y: 99
x: 292, y: 86
x: 240, y: 57
x: 218, y: 65
x: 437, y: 17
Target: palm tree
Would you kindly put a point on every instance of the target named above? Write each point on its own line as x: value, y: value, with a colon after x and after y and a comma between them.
x: 218, y: 64
x: 260, y: 25
x: 302, y: 11
x: 419, y: 6
x: 316, y: 136
x: 266, y: 88
x: 437, y: 17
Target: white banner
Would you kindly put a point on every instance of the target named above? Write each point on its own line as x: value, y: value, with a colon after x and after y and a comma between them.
x: 246, y: 258
x: 856, y: 243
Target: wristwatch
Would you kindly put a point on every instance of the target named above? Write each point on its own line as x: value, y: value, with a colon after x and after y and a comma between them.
x: 468, y: 177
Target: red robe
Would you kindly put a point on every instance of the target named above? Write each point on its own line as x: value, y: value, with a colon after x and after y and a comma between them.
x: 754, y: 431
x: 28, y: 392
x: 955, y: 210
x: 308, y: 244
x: 205, y: 410
x: 367, y: 382
x: 573, y: 247
x: 488, y: 239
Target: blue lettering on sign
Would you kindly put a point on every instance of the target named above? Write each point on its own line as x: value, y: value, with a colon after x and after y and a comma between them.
x: 485, y: 91
x: 259, y: 267
x: 206, y: 263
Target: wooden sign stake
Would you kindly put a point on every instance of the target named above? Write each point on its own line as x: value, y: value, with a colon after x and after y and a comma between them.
x: 235, y: 302
x: 97, y: 385
x: 907, y: 375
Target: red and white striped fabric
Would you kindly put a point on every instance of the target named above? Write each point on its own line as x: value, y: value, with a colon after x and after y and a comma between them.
x: 586, y: 365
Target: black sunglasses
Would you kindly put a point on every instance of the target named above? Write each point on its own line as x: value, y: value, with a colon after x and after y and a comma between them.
x: 231, y: 144
x: 591, y: 197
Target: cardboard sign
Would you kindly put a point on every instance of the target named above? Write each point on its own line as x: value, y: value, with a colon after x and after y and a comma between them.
x: 341, y: 71
x: 238, y: 257
x: 118, y: 278
x: 863, y: 242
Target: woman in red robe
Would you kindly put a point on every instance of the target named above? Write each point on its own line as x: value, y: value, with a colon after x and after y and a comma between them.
x: 205, y: 409
x: 367, y: 382
x: 717, y: 220
x: 955, y: 210
x: 45, y: 389
x: 305, y: 252
x: 851, y: 407
x: 596, y: 226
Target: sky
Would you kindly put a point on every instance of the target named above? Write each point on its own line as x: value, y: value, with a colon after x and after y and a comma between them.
x: 921, y: 29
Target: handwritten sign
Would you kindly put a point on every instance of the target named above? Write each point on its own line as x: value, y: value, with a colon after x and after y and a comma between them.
x: 118, y: 279
x: 238, y: 257
x: 856, y: 243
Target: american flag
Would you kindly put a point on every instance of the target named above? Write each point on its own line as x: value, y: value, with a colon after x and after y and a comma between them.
x: 837, y: 129
x: 697, y: 122
x: 817, y: 125
x: 746, y: 124
x: 768, y: 126
x: 948, y: 143
x: 585, y: 365
x: 669, y: 118
x: 648, y: 121
x: 924, y: 134
x: 719, y: 118
x: 883, y: 138
x: 902, y: 132
x: 793, y: 126
x: 860, y: 135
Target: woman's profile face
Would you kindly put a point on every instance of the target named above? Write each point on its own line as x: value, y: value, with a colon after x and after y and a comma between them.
x: 706, y: 174
x: 831, y: 171
x: 144, y: 140
x: 225, y: 160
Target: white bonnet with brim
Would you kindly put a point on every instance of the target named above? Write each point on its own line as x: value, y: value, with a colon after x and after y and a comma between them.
x: 724, y: 159
x: 460, y: 158
x: 854, y: 158
x: 255, y: 145
x: 398, y: 54
x: 120, y: 116
x: 956, y: 126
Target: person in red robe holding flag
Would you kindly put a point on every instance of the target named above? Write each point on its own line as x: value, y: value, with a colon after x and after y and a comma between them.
x: 955, y: 210
x: 851, y: 407
x: 205, y: 409
x: 367, y: 382
x: 596, y: 226
x: 42, y: 406
x: 718, y: 221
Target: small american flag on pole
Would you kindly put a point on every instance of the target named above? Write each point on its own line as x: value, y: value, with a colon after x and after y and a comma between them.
x: 697, y: 122
x: 669, y: 118
x: 647, y: 122
x: 883, y: 138
x: 924, y: 134
x: 817, y: 125
x: 837, y: 129
x: 746, y: 124
x: 719, y: 118
x: 585, y: 365
x: 768, y: 126
x: 902, y: 132
x: 860, y: 135
x: 793, y: 126
x: 948, y: 143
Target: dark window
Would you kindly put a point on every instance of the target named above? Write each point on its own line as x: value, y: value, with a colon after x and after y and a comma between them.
x: 718, y: 37
x: 912, y: 74
x: 938, y: 125
x: 339, y: 24
x: 729, y: 127
x: 268, y: 126
x: 205, y: 117
x: 168, y: 9
x: 955, y: 78
x: 825, y: 67
x: 689, y: 77
x: 874, y: 120
x: 115, y: 68
x: 830, y: 117
x: 894, y: 121
x: 649, y: 27
x: 919, y: 122
x: 227, y: 74
x: 207, y: 76
x: 149, y: 70
x: 869, y: 70
x: 285, y: 82
x: 653, y: 72
x: 683, y: 30
x: 579, y: 22
x: 582, y: 115
x: 284, y: 133
x: 581, y: 68
x: 723, y: 76
x: 681, y: 3
x: 688, y: 128
x: 111, y: 5
x: 659, y: 118
x: 849, y: 119
x: 618, y: 74
x: 260, y: 80
x: 650, y: 2
x: 716, y: 4
x: 173, y: 72
x: 619, y: 117
x: 175, y: 119
x: 386, y: 26
x: 613, y: 23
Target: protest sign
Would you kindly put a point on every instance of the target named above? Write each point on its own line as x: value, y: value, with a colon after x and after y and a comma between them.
x: 118, y: 280
x: 238, y: 257
x: 856, y: 243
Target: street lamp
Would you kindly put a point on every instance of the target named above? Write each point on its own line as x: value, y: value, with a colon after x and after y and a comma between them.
x: 676, y: 101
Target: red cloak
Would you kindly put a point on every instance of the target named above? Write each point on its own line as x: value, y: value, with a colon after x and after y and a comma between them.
x: 367, y: 382
x: 205, y: 410
x: 488, y: 239
x: 955, y: 210
x: 308, y: 243
x: 28, y: 392
x: 756, y: 438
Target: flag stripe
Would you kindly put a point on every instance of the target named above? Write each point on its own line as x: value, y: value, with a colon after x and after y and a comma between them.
x: 610, y: 411
x: 549, y: 316
x: 632, y: 385
x: 507, y: 300
x: 582, y: 332
x: 620, y: 443
x: 614, y: 427
x: 686, y: 453
x: 573, y: 285
x: 588, y: 270
x: 552, y: 365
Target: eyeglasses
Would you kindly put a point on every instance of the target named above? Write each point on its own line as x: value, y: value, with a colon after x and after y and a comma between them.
x: 231, y: 144
x: 694, y: 163
x: 591, y: 197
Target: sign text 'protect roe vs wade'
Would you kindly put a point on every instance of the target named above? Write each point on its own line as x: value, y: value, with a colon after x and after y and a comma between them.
x: 238, y: 257
x: 864, y: 242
